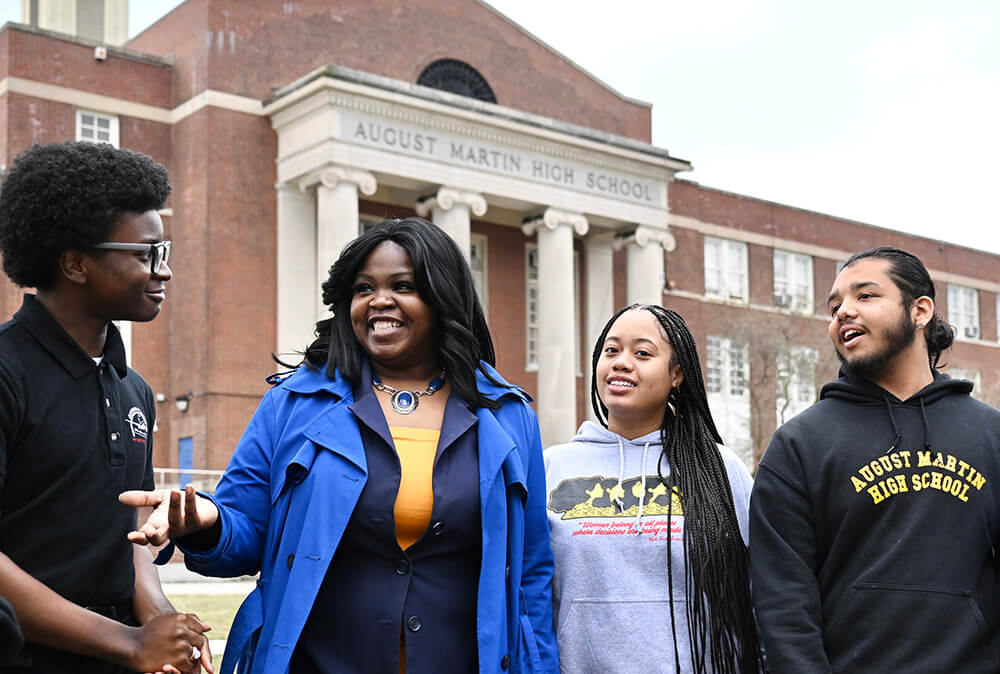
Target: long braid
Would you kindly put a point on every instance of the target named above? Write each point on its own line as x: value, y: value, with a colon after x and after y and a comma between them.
x: 721, y: 625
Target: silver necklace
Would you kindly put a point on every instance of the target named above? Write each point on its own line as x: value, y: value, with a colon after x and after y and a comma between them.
x: 404, y: 401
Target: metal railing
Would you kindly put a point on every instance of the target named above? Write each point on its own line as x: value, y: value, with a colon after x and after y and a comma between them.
x: 176, y: 478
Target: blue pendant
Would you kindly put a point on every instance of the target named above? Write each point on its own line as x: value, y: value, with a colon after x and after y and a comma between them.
x: 403, y: 402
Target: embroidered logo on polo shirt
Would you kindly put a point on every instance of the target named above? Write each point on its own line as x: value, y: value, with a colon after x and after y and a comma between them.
x: 137, y: 423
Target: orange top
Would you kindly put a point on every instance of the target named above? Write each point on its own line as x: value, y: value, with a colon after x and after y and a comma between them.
x: 416, y: 448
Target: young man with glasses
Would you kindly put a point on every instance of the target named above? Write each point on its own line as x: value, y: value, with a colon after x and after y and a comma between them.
x: 79, y: 224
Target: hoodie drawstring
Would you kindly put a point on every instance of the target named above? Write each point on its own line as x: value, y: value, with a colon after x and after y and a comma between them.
x: 621, y: 477
x: 642, y: 493
x: 899, y: 436
x: 895, y: 429
x: 927, y: 426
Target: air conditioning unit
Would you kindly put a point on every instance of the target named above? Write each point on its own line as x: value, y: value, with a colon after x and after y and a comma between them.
x: 782, y: 300
x: 972, y: 331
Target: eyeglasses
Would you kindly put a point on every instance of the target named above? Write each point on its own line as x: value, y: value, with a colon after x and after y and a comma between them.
x: 158, y: 253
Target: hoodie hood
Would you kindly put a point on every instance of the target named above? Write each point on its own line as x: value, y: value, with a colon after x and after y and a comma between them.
x: 861, y: 391
x: 595, y: 434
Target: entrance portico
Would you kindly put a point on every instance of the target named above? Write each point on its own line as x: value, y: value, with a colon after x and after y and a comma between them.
x: 342, y: 133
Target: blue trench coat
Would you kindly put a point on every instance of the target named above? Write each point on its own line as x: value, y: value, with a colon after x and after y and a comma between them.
x: 290, y: 489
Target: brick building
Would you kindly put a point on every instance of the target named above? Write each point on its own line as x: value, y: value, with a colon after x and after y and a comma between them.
x: 288, y: 127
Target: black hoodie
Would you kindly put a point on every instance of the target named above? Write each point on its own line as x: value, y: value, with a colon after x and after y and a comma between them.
x: 874, y: 533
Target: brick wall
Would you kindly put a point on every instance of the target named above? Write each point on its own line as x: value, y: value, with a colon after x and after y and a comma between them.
x: 254, y: 49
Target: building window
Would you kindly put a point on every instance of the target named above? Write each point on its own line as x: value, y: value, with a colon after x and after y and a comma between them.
x: 477, y: 262
x: 793, y: 281
x: 963, y: 311
x: 97, y: 127
x: 726, y: 270
x: 531, y: 306
x: 727, y: 384
x: 795, y: 382
x: 998, y: 317
x: 457, y: 77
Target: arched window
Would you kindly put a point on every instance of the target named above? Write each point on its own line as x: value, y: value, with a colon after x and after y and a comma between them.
x: 457, y: 77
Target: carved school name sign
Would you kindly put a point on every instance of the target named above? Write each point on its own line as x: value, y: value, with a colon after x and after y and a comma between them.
x: 461, y: 151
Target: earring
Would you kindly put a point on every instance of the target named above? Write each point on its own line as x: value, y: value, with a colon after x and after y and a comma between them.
x: 920, y: 326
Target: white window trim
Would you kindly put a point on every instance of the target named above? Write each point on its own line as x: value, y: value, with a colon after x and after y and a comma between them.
x: 113, y: 127
x: 727, y: 250
x: 964, y: 313
x: 731, y: 411
x: 793, y: 294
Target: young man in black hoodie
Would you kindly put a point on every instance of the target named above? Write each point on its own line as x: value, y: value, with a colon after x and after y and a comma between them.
x: 875, y: 514
x: 79, y: 224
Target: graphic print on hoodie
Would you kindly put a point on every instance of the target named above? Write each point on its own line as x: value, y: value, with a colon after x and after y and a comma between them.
x: 612, y: 541
x: 875, y: 528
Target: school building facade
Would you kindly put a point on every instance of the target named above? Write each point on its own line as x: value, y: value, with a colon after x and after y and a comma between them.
x: 289, y: 127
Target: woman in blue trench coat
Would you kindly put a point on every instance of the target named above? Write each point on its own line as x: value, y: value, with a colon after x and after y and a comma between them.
x: 390, y: 491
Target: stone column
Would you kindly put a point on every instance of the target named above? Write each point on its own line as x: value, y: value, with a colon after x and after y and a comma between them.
x: 450, y: 210
x: 297, y: 284
x: 600, y: 293
x: 557, y: 322
x: 644, y: 247
x: 337, y: 218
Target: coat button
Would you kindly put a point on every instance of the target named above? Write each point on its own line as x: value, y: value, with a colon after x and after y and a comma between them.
x: 437, y: 528
x: 403, y: 567
x: 114, y: 437
x: 505, y: 662
x: 291, y: 558
x: 413, y: 622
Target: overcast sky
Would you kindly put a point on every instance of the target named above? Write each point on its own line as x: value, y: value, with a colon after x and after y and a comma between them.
x: 885, y: 111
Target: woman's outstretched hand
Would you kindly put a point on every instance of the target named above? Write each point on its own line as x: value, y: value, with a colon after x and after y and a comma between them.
x: 175, y: 513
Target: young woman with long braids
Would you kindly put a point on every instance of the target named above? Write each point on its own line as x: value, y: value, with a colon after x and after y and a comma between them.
x: 648, y: 515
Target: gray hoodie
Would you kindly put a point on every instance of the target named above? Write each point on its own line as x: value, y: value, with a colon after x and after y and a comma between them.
x: 610, y: 542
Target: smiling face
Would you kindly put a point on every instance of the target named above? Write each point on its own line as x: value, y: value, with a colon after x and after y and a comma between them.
x: 391, y: 322
x: 869, y: 325
x: 120, y: 284
x: 635, y: 373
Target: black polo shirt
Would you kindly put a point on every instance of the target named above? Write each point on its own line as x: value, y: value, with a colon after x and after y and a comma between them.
x: 73, y: 435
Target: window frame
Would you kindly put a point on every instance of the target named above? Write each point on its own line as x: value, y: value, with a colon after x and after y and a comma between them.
x: 799, y: 291
x: 113, y: 127
x: 964, y: 313
x: 731, y: 254
x: 728, y: 392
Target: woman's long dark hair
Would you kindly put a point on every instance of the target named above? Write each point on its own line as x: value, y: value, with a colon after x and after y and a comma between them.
x: 721, y: 626
x: 443, y: 280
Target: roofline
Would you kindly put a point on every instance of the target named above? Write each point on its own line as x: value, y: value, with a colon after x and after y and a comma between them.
x: 120, y: 52
x: 850, y: 221
x: 568, y: 60
x: 492, y: 109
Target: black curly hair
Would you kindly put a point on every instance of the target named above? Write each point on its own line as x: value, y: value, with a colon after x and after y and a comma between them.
x: 68, y: 196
